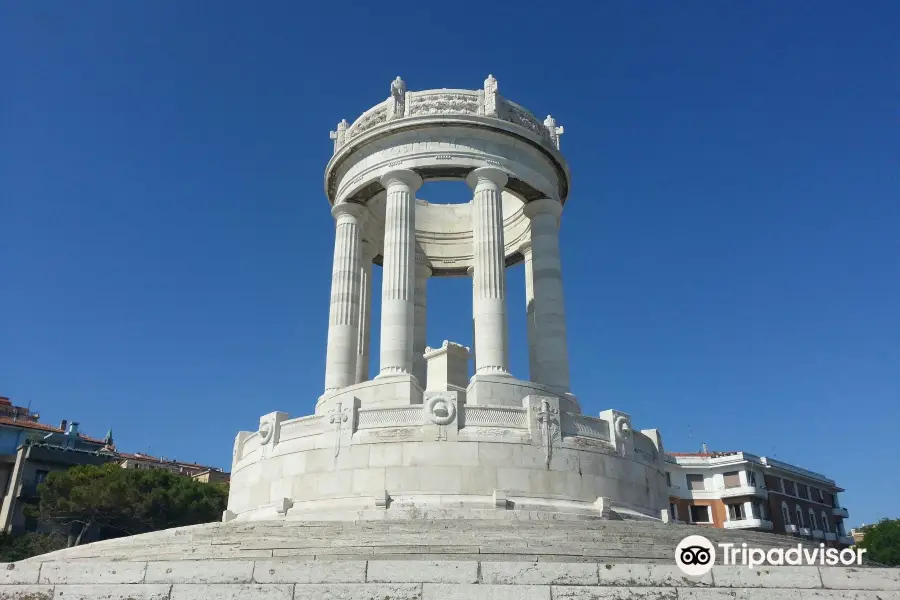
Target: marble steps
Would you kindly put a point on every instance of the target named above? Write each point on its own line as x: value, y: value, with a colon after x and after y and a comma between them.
x: 563, y: 540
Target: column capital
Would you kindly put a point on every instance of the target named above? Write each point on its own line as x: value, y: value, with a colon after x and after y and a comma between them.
x: 470, y: 271
x: 525, y: 248
x: 405, y: 176
x: 487, y: 174
x: 543, y: 206
x: 348, y: 208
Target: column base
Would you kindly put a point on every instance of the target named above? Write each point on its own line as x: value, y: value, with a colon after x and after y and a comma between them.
x: 506, y: 390
x: 386, y: 391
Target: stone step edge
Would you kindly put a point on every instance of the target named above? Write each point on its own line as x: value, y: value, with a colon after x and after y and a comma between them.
x: 475, y: 572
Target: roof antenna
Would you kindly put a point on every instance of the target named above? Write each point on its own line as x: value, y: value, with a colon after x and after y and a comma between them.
x: 704, y: 448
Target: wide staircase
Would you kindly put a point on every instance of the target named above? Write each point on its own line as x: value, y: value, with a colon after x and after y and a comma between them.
x: 553, y: 541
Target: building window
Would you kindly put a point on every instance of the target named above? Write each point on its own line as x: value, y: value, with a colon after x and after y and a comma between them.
x: 779, y: 484
x: 799, y: 517
x: 758, y: 510
x: 812, y: 519
x: 669, y: 478
x: 803, y: 491
x: 695, y: 482
x: 736, y: 512
x: 790, y: 487
x: 785, y: 513
x: 673, y: 511
x: 821, y: 496
x: 751, y: 477
x: 40, y: 476
x: 700, y: 514
x: 825, y: 527
x: 732, y: 479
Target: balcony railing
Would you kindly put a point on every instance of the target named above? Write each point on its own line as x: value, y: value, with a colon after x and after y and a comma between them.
x: 846, y: 540
x: 743, y: 490
x: 840, y: 511
x: 805, y: 531
x: 830, y: 537
x: 818, y: 534
x: 752, y: 523
x: 791, y: 528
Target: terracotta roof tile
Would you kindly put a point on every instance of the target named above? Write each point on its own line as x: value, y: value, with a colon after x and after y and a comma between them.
x: 149, y: 458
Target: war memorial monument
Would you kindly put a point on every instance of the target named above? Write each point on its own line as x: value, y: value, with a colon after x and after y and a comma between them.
x: 421, y: 482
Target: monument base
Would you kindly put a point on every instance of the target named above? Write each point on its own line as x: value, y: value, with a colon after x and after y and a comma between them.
x: 425, y: 559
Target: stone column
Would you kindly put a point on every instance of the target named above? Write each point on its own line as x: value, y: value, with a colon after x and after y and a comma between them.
x: 398, y: 275
x: 420, y: 334
x: 343, y: 319
x: 470, y: 271
x: 367, y: 253
x: 551, y: 355
x: 533, y: 366
x: 490, y: 271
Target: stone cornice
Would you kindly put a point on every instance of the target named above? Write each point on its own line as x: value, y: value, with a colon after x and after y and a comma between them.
x: 544, y: 206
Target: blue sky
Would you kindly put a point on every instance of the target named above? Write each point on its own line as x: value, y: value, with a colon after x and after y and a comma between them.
x: 730, y: 246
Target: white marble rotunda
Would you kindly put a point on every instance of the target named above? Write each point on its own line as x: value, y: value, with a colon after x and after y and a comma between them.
x: 420, y: 437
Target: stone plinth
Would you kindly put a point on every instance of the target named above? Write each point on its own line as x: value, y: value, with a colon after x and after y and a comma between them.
x: 447, y: 455
x: 448, y: 367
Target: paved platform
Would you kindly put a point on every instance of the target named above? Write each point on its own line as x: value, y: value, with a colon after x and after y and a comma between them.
x: 423, y: 560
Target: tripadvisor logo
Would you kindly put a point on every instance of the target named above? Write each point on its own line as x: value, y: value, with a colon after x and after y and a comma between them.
x: 695, y: 555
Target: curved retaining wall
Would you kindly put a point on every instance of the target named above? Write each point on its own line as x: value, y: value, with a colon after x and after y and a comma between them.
x: 393, y: 462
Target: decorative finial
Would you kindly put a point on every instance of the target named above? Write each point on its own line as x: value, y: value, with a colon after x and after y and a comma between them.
x: 490, y: 96
x: 553, y: 131
x: 398, y: 99
x: 340, y: 135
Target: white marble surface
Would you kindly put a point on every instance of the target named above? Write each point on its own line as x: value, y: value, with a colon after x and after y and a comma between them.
x: 490, y: 272
x: 343, y: 321
x: 444, y: 454
x: 398, y: 277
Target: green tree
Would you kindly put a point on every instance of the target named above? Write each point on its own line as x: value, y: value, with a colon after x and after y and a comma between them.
x: 108, y: 501
x: 19, y: 547
x: 882, y: 543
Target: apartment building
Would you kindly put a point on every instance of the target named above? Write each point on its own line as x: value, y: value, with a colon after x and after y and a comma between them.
x: 196, y: 471
x: 31, y: 450
x: 38, y: 451
x: 739, y: 490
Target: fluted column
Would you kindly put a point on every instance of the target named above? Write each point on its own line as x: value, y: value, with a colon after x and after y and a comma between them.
x: 490, y: 271
x: 551, y: 353
x: 420, y: 334
x: 533, y: 367
x: 367, y: 253
x: 398, y: 277
x: 470, y: 271
x: 343, y: 319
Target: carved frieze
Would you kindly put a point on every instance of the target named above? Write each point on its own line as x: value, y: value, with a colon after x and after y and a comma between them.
x: 389, y: 417
x: 519, y: 116
x: 495, y: 416
x: 443, y: 103
x: 371, y: 118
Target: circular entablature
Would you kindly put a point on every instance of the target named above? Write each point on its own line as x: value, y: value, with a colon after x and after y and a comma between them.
x: 438, y: 149
x: 447, y: 148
